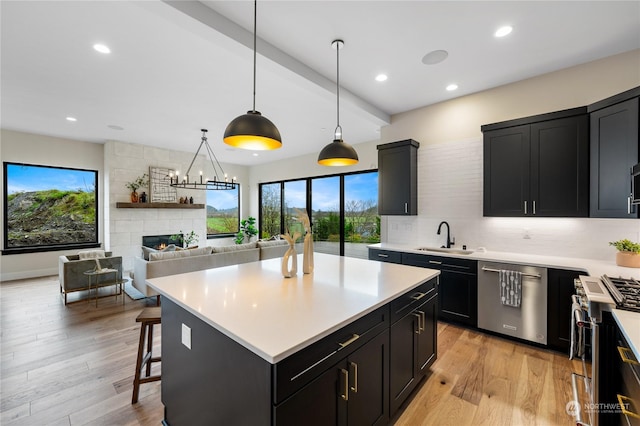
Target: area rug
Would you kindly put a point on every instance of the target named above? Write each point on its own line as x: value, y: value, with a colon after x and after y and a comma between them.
x: 132, y: 292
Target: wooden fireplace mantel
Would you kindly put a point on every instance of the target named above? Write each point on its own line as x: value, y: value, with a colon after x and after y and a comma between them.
x: 158, y: 206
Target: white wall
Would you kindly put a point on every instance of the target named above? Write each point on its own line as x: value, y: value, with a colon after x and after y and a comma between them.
x: 44, y: 150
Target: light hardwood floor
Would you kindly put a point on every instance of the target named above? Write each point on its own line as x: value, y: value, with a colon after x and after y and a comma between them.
x: 74, y: 365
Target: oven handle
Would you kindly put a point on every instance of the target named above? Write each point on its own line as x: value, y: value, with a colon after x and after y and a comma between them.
x: 580, y: 322
x: 524, y: 274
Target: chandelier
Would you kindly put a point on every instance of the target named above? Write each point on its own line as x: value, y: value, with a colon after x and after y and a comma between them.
x: 221, y: 182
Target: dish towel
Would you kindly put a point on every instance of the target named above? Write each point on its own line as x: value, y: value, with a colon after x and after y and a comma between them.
x: 510, y: 287
x: 576, y: 350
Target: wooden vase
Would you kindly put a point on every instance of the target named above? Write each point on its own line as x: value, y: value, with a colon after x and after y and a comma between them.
x: 134, y: 197
x: 307, y: 255
x: 628, y: 259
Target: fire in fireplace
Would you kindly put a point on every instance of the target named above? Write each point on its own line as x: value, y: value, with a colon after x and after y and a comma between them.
x: 159, y: 242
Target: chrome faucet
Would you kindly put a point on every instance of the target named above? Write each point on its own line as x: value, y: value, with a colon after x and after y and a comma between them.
x: 450, y: 242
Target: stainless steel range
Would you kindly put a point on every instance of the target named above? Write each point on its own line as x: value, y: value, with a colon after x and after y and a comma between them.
x: 593, y: 335
x: 625, y: 292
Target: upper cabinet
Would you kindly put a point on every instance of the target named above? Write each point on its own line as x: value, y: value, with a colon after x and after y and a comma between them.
x: 614, y: 150
x: 538, y: 166
x: 398, y: 178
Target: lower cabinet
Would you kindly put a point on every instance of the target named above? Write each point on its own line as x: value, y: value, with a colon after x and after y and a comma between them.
x: 560, y: 288
x: 458, y: 291
x: 413, y: 343
x: 352, y: 392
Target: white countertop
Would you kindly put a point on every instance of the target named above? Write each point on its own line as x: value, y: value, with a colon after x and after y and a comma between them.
x: 590, y: 266
x: 629, y: 322
x: 273, y: 316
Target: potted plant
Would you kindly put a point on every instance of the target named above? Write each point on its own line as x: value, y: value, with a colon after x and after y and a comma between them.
x: 628, y: 253
x: 133, y: 186
x: 186, y: 239
x: 247, y: 230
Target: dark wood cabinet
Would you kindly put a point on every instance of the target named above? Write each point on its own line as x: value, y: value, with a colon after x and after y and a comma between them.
x: 385, y: 255
x: 614, y: 150
x: 560, y: 288
x: 413, y: 342
x: 398, y: 178
x: 537, y: 166
x: 353, y: 392
x: 458, y: 290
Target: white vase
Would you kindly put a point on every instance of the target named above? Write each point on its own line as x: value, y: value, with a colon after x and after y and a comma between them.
x: 287, y: 271
x: 307, y: 254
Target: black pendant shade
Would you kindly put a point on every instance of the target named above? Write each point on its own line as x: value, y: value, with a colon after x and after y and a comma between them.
x: 338, y: 153
x: 252, y: 131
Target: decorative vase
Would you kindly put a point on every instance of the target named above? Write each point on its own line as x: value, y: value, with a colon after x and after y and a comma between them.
x: 287, y: 271
x: 307, y: 254
x: 628, y: 258
x: 134, y: 197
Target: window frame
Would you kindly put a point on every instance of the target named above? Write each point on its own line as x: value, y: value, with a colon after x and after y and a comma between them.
x: 48, y: 247
x: 308, y: 180
x: 226, y: 234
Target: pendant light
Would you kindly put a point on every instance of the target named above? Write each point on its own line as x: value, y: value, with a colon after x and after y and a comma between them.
x: 338, y: 152
x: 252, y: 130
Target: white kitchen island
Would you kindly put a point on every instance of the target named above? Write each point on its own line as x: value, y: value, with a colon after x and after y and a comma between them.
x: 244, y: 345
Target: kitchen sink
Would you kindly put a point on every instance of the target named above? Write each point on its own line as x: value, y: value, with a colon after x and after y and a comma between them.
x: 445, y: 250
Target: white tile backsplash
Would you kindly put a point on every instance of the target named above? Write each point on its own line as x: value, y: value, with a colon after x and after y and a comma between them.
x: 450, y: 189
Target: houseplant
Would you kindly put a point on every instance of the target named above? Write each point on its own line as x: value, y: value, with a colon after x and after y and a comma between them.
x: 186, y: 239
x: 628, y: 253
x: 133, y: 186
x: 247, y: 230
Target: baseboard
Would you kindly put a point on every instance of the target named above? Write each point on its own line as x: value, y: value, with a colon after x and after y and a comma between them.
x: 22, y: 275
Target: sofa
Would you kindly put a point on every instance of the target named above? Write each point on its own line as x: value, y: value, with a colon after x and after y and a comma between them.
x: 163, y: 263
x: 72, y: 268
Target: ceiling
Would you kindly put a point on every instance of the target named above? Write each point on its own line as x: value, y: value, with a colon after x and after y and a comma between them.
x: 177, y: 67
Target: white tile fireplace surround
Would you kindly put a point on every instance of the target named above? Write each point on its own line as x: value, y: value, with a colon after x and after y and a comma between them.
x: 450, y: 188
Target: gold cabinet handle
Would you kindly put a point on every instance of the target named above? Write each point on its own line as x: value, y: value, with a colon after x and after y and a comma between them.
x: 418, y: 295
x: 625, y: 357
x: 345, y: 388
x: 354, y: 368
x: 350, y: 341
x: 623, y: 406
x: 419, y: 329
x: 423, y: 318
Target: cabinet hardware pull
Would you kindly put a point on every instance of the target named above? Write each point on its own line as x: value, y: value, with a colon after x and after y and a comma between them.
x: 623, y: 406
x: 350, y: 341
x: 354, y: 367
x: 534, y: 206
x: 345, y: 389
x: 629, y: 205
x: 625, y: 357
x: 382, y: 255
x: 435, y: 262
x: 406, y: 207
x: 423, y: 317
x: 417, y: 330
x: 525, y: 207
x: 418, y: 296
x: 524, y: 274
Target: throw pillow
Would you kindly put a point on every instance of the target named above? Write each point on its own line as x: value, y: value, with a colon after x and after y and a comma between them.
x: 146, y: 251
x: 272, y: 243
x: 164, y: 255
x: 91, y: 254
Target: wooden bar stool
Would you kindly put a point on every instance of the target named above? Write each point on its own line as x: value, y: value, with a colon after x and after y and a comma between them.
x: 148, y: 317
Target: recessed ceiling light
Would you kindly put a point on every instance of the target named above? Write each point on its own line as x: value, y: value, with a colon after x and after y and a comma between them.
x: 381, y: 77
x: 452, y: 87
x: 435, y: 57
x: 255, y: 154
x: 72, y: 119
x: 101, y: 48
x: 503, y: 31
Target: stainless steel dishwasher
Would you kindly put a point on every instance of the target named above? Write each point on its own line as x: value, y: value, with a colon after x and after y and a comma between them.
x: 529, y: 320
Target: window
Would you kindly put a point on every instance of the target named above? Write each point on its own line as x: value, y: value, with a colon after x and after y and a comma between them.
x: 223, y: 212
x: 343, y: 210
x: 49, y: 208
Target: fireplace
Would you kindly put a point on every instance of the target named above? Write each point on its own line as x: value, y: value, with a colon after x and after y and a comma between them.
x: 159, y: 242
